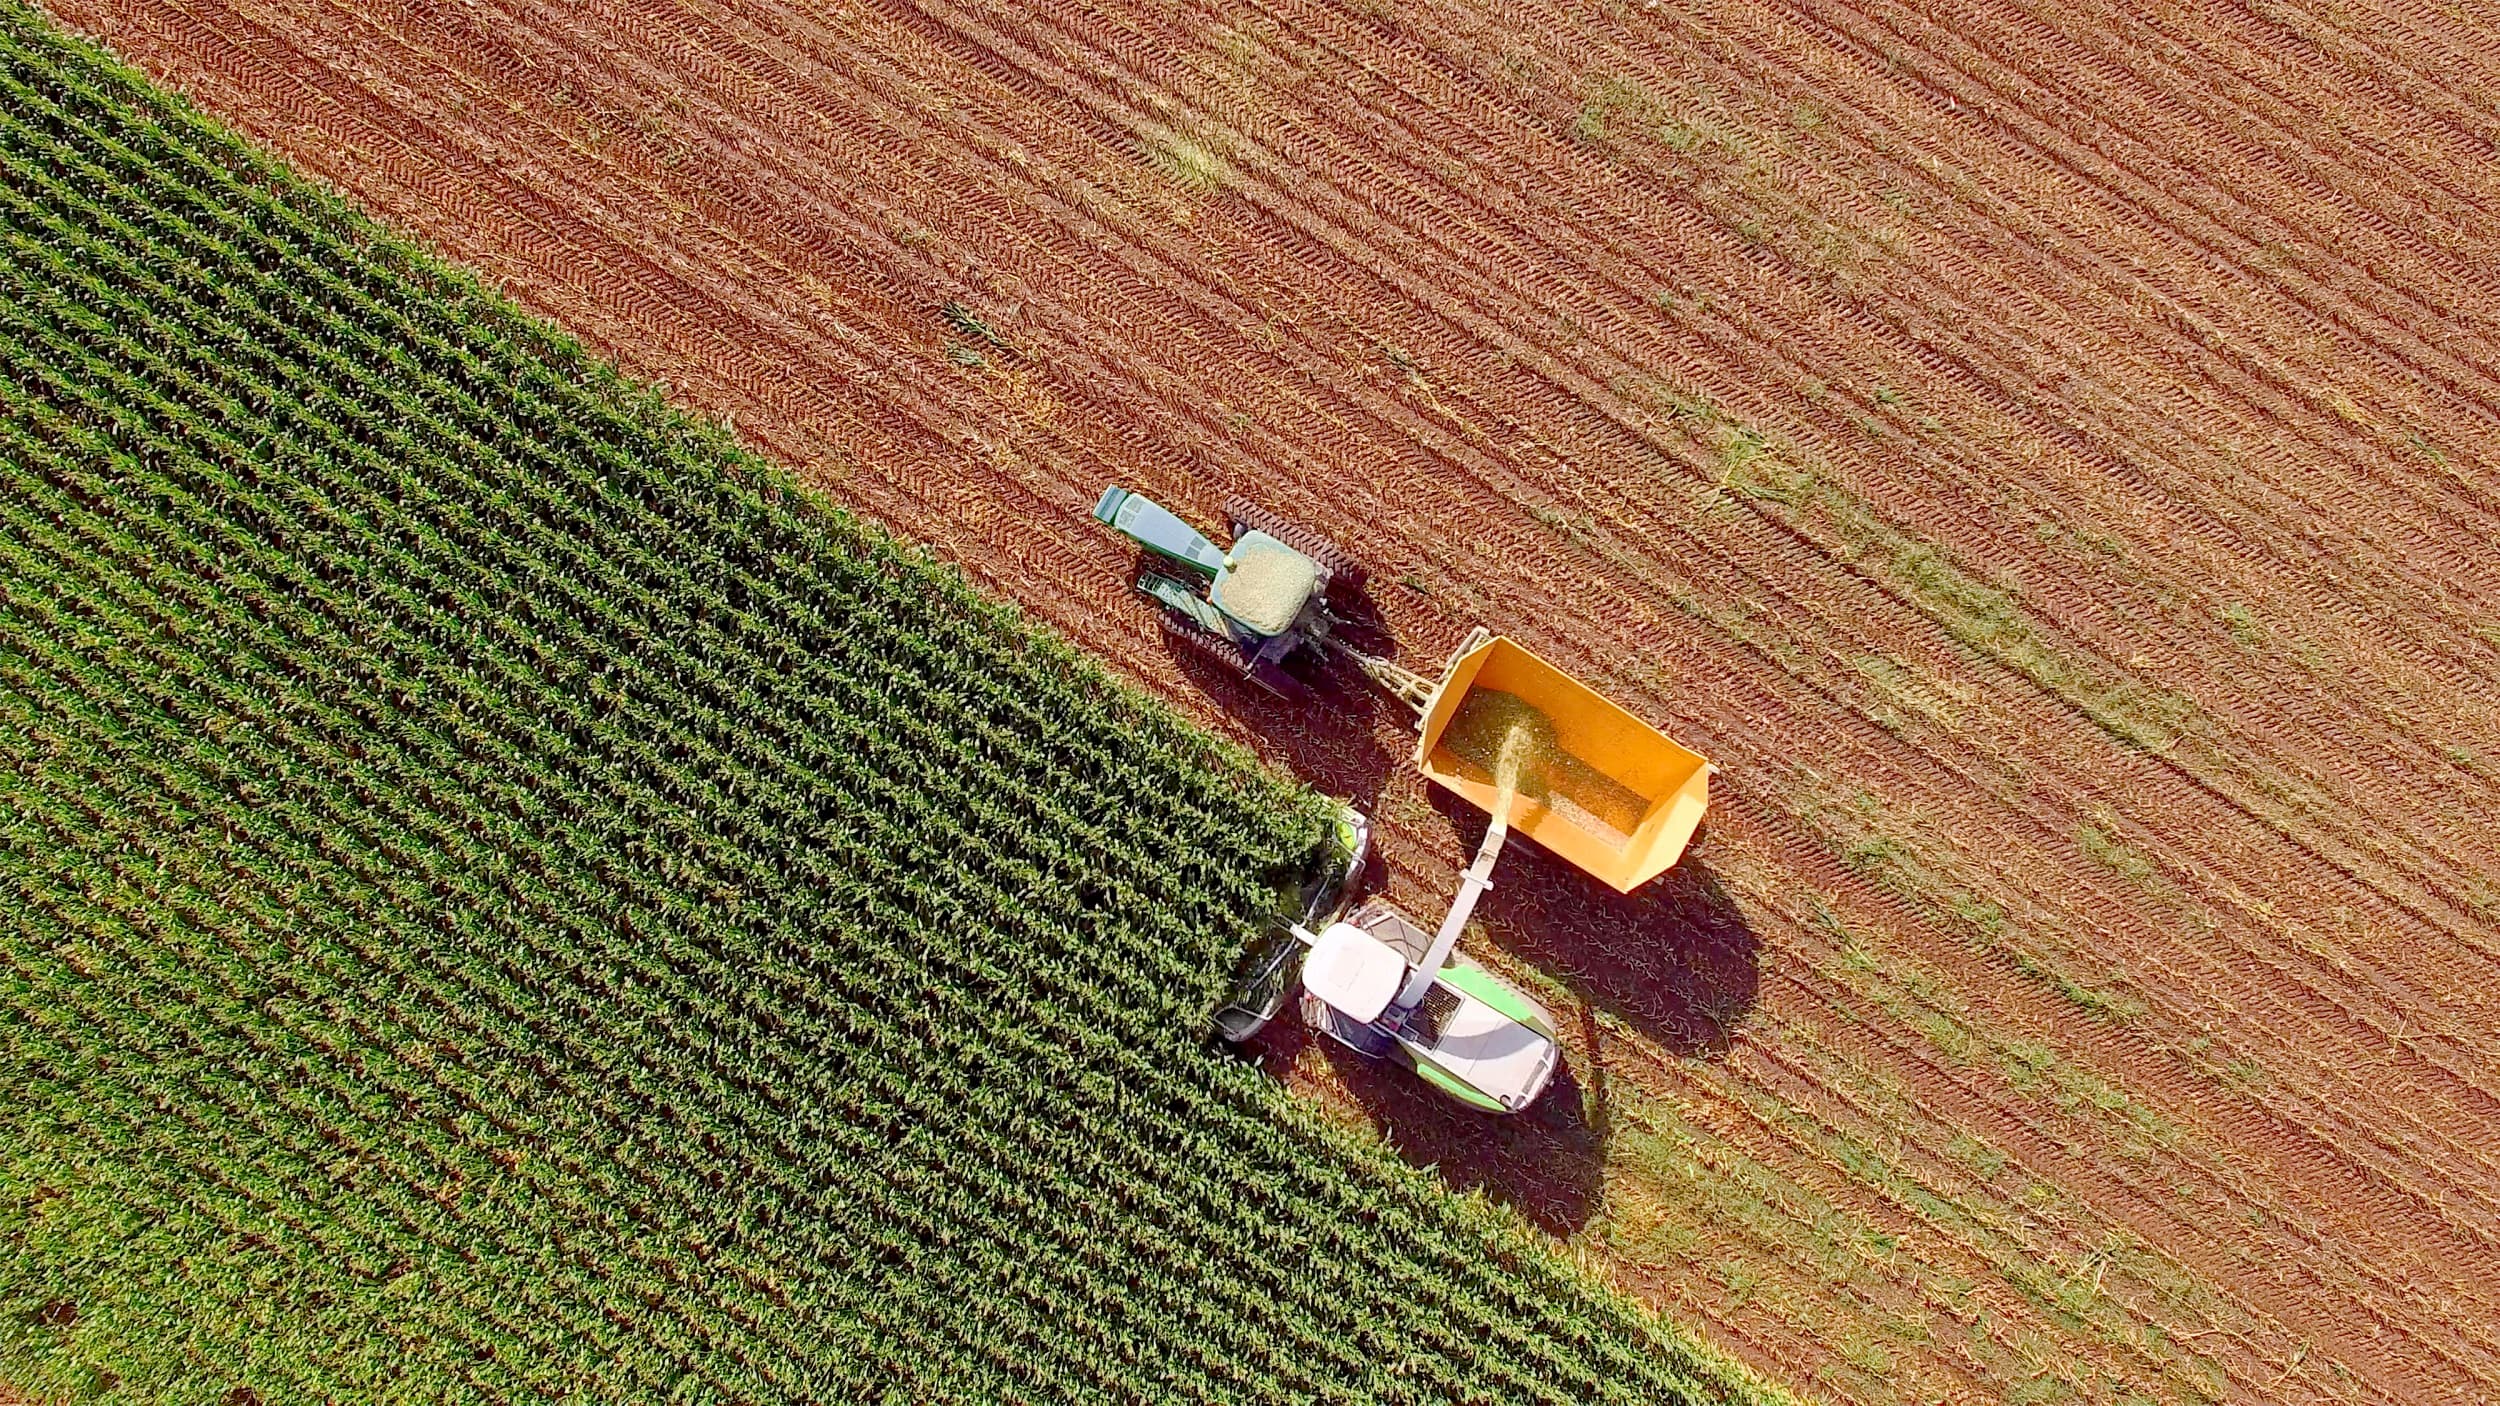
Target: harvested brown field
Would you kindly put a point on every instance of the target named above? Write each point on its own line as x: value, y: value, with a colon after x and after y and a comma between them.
x: 2040, y: 453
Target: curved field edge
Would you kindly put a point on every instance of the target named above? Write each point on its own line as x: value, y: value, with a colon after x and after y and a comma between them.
x: 518, y: 901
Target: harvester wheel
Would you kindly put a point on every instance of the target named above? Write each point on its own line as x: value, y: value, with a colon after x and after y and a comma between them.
x: 1328, y: 556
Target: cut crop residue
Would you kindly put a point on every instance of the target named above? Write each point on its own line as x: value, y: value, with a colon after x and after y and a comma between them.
x: 1512, y: 744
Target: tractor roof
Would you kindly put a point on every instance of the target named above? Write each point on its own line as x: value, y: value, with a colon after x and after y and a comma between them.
x: 1264, y: 583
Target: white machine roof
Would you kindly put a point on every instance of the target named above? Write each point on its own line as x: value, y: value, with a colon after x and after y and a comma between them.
x: 1354, y: 972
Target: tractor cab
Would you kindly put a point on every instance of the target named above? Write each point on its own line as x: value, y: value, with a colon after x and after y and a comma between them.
x: 1250, y: 606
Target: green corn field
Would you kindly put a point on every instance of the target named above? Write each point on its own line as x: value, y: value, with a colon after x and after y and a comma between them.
x: 508, y: 900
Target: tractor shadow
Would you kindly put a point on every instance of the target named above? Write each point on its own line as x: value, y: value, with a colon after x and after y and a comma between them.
x: 1677, y: 961
x: 1547, y: 1163
x: 1329, y: 739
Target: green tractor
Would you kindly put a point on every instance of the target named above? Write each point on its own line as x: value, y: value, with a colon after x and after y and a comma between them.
x: 1251, y: 607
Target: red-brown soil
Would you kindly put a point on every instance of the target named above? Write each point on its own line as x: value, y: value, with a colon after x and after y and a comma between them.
x: 2040, y: 452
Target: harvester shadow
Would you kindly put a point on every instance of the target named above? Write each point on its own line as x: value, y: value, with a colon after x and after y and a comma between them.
x: 1677, y: 961
x: 1546, y: 1163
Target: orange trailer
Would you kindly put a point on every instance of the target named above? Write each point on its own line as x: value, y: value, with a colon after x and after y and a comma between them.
x: 1623, y: 812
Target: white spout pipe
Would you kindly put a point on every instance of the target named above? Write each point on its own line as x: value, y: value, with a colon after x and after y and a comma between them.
x: 1471, y: 885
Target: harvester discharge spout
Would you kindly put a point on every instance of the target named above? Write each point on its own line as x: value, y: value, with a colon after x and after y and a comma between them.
x: 1471, y: 886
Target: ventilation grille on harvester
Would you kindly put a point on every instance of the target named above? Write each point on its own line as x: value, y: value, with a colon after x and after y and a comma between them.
x: 1424, y: 1025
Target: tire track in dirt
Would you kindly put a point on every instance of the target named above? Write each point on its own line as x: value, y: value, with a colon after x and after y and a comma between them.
x: 2190, y: 182
x: 2180, y: 198
x: 2448, y: 94
x: 1758, y: 73
x: 2238, y: 87
x: 2316, y: 181
x: 2027, y: 1133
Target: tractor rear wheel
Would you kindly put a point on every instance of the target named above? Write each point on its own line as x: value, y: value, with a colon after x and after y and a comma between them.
x: 1222, y: 654
x: 1328, y: 556
x: 1187, y: 636
x: 1275, y: 680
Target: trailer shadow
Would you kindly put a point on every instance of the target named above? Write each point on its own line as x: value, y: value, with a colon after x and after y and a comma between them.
x: 1547, y: 1163
x: 1677, y: 960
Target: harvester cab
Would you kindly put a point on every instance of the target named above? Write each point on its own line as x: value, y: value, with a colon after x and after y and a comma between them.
x: 1250, y: 606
